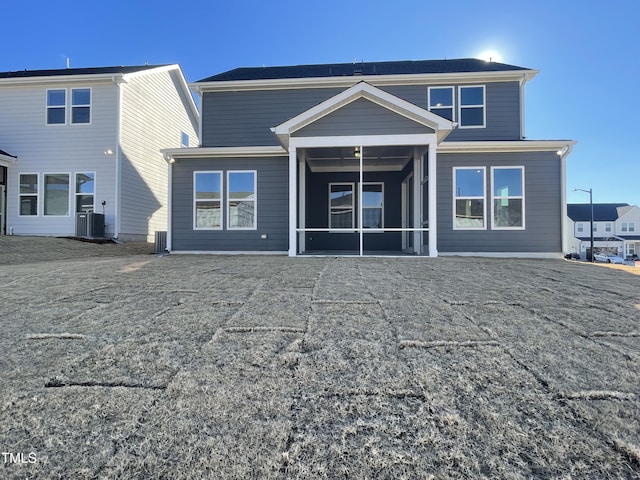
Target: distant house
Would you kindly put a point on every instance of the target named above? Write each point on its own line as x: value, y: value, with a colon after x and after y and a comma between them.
x: 88, y: 140
x: 408, y: 157
x: 616, y: 229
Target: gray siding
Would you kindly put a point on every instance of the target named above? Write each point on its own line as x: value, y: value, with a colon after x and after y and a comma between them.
x: 543, y: 210
x: 362, y: 117
x: 502, y: 105
x: 272, y: 198
x: 232, y: 119
x: 244, y: 118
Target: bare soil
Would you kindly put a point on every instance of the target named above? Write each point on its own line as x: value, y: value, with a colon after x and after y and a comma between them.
x: 117, y: 363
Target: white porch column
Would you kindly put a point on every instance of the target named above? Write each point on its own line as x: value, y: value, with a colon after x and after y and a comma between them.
x: 417, y: 202
x: 293, y: 202
x: 433, y: 207
x: 302, y: 203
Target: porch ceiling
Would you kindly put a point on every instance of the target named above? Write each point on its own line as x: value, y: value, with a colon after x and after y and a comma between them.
x: 382, y: 158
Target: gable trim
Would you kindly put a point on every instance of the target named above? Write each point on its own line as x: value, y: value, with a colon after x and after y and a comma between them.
x: 364, y: 90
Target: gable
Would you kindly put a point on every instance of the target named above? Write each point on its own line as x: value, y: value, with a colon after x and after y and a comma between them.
x: 362, y: 117
x: 359, y: 105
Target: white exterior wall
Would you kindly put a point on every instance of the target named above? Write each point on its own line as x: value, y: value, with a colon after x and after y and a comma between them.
x: 630, y: 216
x: 154, y: 114
x: 70, y: 149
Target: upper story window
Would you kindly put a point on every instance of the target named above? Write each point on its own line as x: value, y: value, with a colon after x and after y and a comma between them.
x: 580, y: 227
x: 469, y: 198
x: 184, y: 140
x: 56, y: 107
x: 207, y: 198
x: 508, y: 197
x: 607, y: 227
x: 80, y: 105
x: 441, y: 101
x: 471, y: 106
x: 595, y: 227
x: 628, y: 227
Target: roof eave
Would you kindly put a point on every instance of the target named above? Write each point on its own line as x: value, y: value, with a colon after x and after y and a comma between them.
x: 376, y: 80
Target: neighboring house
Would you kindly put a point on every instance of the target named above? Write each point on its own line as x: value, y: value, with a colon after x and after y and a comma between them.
x: 6, y: 159
x: 89, y: 140
x: 616, y: 229
x: 418, y: 157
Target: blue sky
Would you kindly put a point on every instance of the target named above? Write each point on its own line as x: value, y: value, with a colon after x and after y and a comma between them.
x: 588, y: 54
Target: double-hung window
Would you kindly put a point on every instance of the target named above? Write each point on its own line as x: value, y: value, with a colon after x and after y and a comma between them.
x: 607, y: 227
x: 241, y: 200
x: 56, y: 194
x: 85, y: 191
x: 341, y: 204
x: 207, y: 198
x: 80, y: 105
x: 469, y: 198
x: 29, y: 194
x: 580, y: 227
x: 508, y: 198
x: 471, y: 106
x: 56, y: 107
x: 373, y: 205
x: 441, y: 101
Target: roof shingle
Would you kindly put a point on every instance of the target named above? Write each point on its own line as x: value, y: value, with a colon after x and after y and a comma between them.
x: 76, y: 71
x: 406, y: 67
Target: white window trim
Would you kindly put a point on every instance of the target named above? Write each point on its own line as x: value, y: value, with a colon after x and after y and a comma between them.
x: 76, y: 194
x: 632, y: 226
x: 47, y: 107
x: 483, y: 105
x: 44, y: 194
x: 624, y: 227
x: 353, y: 207
x: 71, y: 105
x: 37, y: 194
x: 195, y: 201
x: 580, y: 227
x: 254, y: 200
x: 608, y: 227
x: 373, y: 208
x: 453, y: 99
x: 514, y: 197
x: 483, y: 198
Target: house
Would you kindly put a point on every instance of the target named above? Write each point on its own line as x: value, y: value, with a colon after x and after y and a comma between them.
x: 405, y: 157
x: 88, y: 140
x: 616, y: 229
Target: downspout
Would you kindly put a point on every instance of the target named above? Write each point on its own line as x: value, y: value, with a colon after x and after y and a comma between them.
x: 170, y: 161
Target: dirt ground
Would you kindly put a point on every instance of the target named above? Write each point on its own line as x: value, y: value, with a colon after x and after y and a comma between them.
x: 117, y: 363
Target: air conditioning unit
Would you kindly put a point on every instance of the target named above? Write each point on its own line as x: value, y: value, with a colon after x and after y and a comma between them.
x: 95, y: 225
x: 161, y: 242
x: 90, y: 225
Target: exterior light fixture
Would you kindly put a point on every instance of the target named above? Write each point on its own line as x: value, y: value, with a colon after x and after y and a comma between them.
x: 108, y: 151
x: 356, y: 152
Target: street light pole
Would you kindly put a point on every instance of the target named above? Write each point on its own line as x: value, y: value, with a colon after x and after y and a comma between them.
x: 590, y: 192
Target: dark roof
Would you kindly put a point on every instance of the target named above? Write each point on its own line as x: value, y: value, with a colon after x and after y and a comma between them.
x: 602, y: 212
x: 76, y: 71
x: 407, y: 67
x: 630, y: 237
x: 2, y: 152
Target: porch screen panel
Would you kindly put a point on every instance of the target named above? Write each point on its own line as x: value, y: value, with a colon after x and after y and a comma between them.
x: 341, y: 205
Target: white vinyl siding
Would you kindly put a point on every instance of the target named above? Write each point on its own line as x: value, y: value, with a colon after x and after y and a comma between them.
x: 153, y: 118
